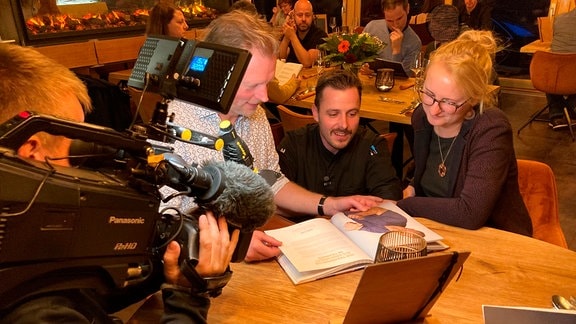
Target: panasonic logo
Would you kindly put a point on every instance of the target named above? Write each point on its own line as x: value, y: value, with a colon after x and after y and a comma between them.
x: 125, y: 246
x: 122, y: 220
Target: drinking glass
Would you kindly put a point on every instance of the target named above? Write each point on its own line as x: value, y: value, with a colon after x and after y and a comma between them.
x: 319, y: 62
x: 332, y: 23
x: 419, y: 66
x: 384, y: 79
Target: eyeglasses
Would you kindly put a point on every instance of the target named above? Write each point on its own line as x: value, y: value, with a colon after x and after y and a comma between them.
x: 444, y: 104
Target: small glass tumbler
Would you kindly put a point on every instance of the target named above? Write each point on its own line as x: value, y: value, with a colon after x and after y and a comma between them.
x: 384, y: 79
x: 400, y: 245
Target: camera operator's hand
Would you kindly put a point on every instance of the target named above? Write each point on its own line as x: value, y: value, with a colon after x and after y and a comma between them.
x: 262, y: 247
x: 216, y: 249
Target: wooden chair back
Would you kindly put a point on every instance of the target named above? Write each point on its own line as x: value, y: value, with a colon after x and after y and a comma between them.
x: 538, y: 188
x: 321, y: 21
x: 113, y: 51
x: 292, y: 120
x: 554, y: 72
x: 390, y: 137
x: 73, y: 55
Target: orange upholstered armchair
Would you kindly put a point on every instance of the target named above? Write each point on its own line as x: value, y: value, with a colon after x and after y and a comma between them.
x: 538, y: 189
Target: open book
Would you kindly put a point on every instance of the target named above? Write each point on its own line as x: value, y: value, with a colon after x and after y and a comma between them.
x: 285, y: 71
x: 319, y: 248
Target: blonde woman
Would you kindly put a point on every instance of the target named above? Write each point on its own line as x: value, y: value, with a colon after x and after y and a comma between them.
x: 465, y: 165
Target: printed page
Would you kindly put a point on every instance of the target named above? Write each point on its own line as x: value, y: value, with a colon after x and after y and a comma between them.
x: 285, y: 71
x: 365, y: 228
x: 316, y: 244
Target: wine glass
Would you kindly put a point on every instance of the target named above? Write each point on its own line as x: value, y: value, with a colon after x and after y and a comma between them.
x: 332, y: 23
x: 418, y: 70
x: 319, y: 62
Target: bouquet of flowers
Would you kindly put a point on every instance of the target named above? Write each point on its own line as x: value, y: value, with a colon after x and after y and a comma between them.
x: 351, y: 49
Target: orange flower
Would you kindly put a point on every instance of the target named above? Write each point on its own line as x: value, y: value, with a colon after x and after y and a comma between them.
x: 344, y: 46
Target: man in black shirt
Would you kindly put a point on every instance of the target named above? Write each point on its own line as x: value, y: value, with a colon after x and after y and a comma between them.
x: 301, y: 36
x: 335, y: 157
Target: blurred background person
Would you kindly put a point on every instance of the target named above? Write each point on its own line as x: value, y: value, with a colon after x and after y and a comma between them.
x: 166, y: 19
x: 476, y: 14
x: 563, y: 41
x: 301, y: 36
x: 281, y: 11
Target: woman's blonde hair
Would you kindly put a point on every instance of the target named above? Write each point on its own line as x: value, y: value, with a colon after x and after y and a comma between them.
x: 469, y: 59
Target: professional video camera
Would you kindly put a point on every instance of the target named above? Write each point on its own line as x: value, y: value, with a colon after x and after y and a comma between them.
x: 97, y: 226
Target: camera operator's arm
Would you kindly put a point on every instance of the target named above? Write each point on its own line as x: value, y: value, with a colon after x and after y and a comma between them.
x: 216, y: 249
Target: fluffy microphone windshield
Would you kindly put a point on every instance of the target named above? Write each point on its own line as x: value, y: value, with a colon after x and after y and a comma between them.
x: 247, y: 201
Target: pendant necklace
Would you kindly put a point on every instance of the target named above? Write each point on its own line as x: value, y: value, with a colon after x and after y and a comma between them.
x: 442, y: 167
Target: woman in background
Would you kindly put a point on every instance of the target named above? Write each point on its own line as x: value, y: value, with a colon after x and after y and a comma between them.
x: 466, y: 173
x: 166, y: 19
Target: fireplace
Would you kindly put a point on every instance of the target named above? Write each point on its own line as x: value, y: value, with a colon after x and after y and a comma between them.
x: 46, y: 22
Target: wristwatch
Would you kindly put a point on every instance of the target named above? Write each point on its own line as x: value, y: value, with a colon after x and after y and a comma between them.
x: 208, y: 286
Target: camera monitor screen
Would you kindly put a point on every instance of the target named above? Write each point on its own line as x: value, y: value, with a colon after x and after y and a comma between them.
x: 208, y: 75
x: 154, y: 59
x: 204, y: 74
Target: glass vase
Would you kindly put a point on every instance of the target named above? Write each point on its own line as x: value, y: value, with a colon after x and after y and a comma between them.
x: 354, y: 68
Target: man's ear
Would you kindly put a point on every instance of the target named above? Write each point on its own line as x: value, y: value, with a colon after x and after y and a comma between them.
x: 315, y: 112
x: 32, y: 149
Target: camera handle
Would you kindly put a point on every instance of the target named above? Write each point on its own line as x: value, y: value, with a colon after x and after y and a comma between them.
x: 209, y: 286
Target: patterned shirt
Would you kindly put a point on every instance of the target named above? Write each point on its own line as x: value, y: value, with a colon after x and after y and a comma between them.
x: 254, y: 130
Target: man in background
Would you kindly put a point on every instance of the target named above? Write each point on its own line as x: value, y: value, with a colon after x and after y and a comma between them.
x: 403, y: 44
x: 301, y: 36
x: 563, y: 41
x: 335, y: 157
x: 476, y: 14
x: 34, y: 82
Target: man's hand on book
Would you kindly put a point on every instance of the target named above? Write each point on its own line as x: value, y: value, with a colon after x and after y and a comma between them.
x: 262, y: 247
x: 333, y: 205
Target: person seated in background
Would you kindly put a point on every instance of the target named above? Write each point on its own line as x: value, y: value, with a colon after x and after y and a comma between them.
x: 245, y: 5
x: 301, y: 36
x: 476, y: 14
x: 466, y: 173
x: 166, y: 19
x: 58, y: 92
x: 403, y: 44
x: 443, y: 25
x: 563, y: 41
x: 280, y: 13
x: 336, y: 157
x: 246, y: 31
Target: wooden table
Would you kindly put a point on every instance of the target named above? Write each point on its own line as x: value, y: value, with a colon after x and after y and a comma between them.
x: 372, y: 106
x: 503, y: 269
x: 536, y: 45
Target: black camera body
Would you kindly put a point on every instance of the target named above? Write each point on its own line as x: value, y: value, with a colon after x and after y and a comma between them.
x: 99, y: 228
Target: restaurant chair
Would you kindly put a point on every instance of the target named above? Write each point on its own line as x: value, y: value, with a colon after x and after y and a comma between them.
x: 553, y: 73
x: 390, y: 137
x: 538, y: 189
x: 292, y: 120
x: 321, y: 21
